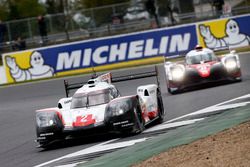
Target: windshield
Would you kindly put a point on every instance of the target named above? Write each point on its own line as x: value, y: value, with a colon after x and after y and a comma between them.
x: 124, y: 104
x: 86, y: 100
x: 203, y: 57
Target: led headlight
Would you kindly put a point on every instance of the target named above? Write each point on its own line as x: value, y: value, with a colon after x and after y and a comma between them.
x: 231, y: 64
x: 177, y: 73
x: 45, y: 119
x: 120, y: 112
x: 119, y: 107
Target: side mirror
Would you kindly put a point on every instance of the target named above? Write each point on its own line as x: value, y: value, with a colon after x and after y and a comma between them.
x: 60, y: 106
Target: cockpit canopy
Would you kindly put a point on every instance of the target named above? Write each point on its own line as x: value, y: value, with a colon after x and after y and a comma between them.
x: 200, y: 57
x: 82, y: 100
x: 94, y: 98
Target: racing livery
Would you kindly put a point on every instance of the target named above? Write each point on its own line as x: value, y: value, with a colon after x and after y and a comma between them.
x: 97, y: 107
x: 202, y: 66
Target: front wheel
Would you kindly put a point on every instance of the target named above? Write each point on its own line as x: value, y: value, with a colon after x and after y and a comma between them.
x: 238, y: 79
x: 160, y: 108
x: 173, y: 91
x: 139, y: 122
x: 138, y: 125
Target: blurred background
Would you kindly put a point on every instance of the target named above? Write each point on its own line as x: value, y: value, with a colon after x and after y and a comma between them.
x: 27, y: 24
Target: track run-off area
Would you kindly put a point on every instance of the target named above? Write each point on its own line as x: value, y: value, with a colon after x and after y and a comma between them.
x: 18, y: 104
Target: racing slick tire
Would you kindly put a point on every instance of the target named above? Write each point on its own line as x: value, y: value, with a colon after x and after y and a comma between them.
x: 173, y: 91
x: 238, y: 79
x: 160, y: 107
x: 138, y: 124
x: 139, y: 121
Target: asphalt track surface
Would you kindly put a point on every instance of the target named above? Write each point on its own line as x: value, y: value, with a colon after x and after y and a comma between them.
x: 18, y: 105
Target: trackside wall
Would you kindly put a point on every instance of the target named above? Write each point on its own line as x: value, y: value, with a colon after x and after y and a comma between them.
x: 124, y: 50
x: 2, y: 75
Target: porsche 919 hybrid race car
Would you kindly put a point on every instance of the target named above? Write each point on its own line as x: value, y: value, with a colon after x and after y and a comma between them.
x: 202, y: 66
x: 97, y: 107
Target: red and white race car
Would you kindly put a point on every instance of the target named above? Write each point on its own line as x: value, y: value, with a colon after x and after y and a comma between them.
x: 97, y: 107
x: 202, y: 66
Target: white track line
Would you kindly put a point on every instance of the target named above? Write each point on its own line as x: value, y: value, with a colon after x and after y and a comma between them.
x: 212, y: 108
x: 69, y: 155
x: 172, y: 125
x: 96, y: 148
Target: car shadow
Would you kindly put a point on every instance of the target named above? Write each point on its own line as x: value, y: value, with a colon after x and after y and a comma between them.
x: 72, y: 141
x: 205, y: 86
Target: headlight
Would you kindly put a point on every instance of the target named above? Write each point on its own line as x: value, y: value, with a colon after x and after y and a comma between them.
x: 119, y: 107
x: 177, y: 73
x: 231, y: 64
x: 118, y: 112
x: 45, y: 119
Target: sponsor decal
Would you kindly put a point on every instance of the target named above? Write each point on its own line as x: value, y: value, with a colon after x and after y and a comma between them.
x: 27, y: 65
x: 84, y: 120
x: 119, y: 123
x: 224, y: 33
x: 67, y: 101
x: 71, y: 58
x: 125, y: 50
x: 47, y: 134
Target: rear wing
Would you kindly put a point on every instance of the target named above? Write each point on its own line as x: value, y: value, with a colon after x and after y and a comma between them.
x: 108, y: 78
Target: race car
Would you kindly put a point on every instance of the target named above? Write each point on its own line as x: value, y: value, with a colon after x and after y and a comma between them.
x: 201, y: 66
x: 98, y: 107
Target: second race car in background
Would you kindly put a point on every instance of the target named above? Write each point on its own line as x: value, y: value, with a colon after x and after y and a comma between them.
x: 97, y: 107
x: 202, y: 66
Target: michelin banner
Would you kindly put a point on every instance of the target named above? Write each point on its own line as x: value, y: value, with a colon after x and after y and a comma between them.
x: 225, y: 33
x: 72, y: 58
x: 125, y: 50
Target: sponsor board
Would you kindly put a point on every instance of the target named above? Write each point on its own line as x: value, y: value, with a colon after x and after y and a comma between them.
x: 26, y: 65
x: 224, y: 33
x: 78, y: 57
x: 2, y: 75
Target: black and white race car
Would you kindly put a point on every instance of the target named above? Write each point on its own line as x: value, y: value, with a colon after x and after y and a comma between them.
x: 97, y: 107
x: 202, y: 66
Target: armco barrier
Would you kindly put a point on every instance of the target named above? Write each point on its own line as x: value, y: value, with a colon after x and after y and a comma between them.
x: 124, y: 50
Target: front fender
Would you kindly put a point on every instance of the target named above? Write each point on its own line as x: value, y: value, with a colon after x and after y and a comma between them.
x: 49, y: 125
x: 120, y: 113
